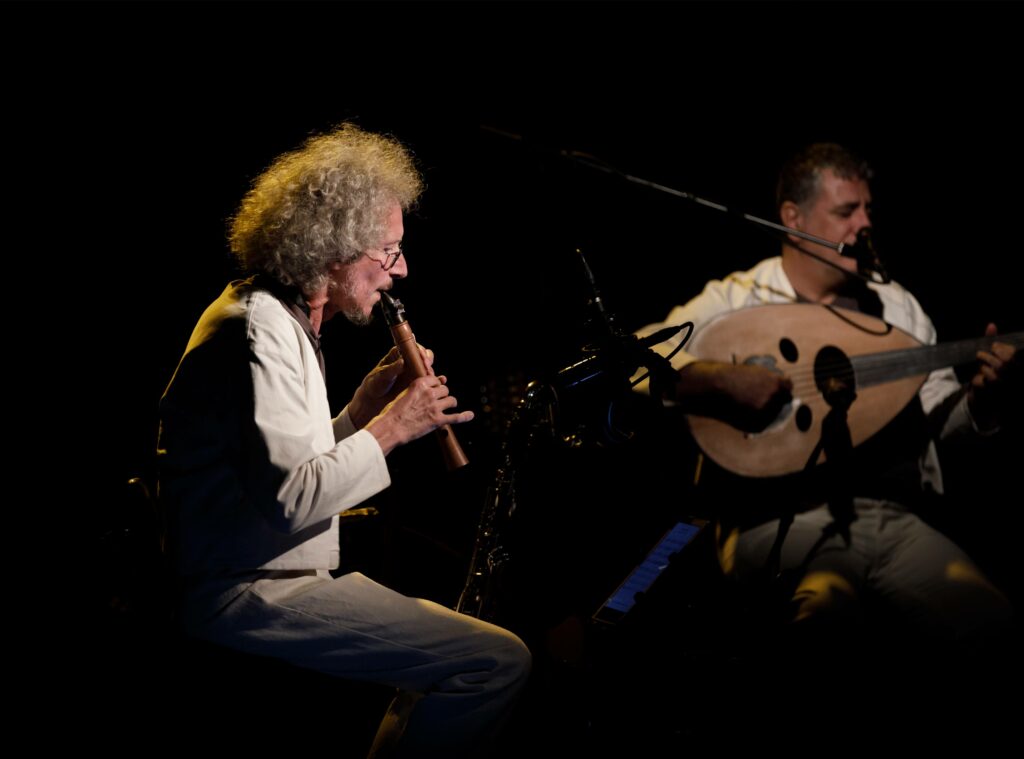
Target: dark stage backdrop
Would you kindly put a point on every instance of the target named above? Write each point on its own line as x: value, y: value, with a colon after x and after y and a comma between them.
x: 134, y: 129
x: 165, y: 112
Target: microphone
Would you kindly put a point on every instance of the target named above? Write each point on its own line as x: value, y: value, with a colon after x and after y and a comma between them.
x: 663, y: 334
x: 617, y: 355
x: 620, y: 358
x: 868, y: 263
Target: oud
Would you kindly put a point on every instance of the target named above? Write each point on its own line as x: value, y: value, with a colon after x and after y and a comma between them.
x: 818, y: 346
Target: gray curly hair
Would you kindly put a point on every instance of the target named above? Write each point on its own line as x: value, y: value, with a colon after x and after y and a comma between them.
x: 323, y: 203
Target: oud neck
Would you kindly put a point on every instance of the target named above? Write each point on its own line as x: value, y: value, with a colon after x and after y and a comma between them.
x: 876, y: 368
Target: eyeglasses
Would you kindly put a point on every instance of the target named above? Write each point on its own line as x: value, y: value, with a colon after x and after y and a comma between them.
x: 391, y: 255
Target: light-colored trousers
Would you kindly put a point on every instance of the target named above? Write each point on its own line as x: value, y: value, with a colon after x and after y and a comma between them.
x: 920, y: 576
x: 458, y: 675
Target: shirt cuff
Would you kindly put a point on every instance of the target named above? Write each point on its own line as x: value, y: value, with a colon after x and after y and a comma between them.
x: 343, y: 426
x: 961, y: 417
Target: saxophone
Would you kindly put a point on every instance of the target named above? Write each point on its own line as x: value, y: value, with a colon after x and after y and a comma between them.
x: 532, y: 418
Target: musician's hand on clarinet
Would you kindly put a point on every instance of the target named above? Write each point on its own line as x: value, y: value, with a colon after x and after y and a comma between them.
x: 405, y: 341
x: 383, y: 384
x: 416, y: 411
x: 989, y: 388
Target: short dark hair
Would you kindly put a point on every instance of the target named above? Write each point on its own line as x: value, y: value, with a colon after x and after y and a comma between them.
x: 800, y: 175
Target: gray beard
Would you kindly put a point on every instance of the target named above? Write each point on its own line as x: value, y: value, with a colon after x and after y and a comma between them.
x: 355, y: 316
x: 359, y: 318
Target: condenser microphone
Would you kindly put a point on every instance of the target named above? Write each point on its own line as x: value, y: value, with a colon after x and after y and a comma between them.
x: 868, y: 262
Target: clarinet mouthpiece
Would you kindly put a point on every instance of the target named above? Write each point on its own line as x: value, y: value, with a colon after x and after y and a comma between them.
x: 394, y: 311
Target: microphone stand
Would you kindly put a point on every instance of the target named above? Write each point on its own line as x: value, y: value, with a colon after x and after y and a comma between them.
x: 538, y: 427
x: 837, y: 444
x: 861, y: 250
x: 610, y: 362
x: 584, y: 160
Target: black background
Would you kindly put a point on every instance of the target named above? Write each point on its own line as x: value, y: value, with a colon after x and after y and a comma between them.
x: 137, y: 128
x: 158, y: 116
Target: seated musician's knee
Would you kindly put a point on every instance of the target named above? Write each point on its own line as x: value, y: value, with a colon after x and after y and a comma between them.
x: 824, y: 596
x: 512, y: 660
x: 977, y: 611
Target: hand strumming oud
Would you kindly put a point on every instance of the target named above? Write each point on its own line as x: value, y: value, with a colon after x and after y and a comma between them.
x: 818, y: 347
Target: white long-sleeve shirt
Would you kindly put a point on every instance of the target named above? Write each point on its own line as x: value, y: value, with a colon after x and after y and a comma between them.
x: 767, y: 283
x: 254, y: 470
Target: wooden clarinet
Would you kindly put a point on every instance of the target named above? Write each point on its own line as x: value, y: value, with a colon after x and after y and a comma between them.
x: 401, y: 332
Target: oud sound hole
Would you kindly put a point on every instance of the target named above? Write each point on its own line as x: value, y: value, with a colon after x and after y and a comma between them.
x: 788, y: 350
x: 833, y: 374
x: 804, y: 417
